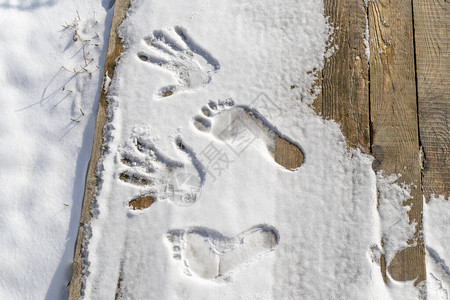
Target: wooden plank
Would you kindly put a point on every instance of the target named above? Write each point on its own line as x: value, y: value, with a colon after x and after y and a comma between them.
x: 393, y: 111
x: 431, y: 24
x: 345, y: 79
x: 317, y: 104
x: 287, y: 154
x: 114, y: 50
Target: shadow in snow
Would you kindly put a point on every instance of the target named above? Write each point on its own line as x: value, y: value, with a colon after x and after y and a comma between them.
x: 59, y: 285
x: 26, y: 4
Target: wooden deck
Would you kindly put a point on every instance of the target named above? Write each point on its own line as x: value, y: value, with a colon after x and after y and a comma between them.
x: 393, y: 105
x: 114, y: 50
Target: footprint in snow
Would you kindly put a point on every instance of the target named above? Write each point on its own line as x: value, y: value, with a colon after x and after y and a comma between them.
x: 208, y: 254
x: 174, y: 50
x: 238, y: 126
x: 162, y: 178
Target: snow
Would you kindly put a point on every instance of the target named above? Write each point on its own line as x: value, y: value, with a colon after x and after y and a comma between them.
x: 395, y: 227
x: 367, y: 39
x: 201, y: 104
x: 436, y: 219
x: 44, y: 154
x: 201, y: 93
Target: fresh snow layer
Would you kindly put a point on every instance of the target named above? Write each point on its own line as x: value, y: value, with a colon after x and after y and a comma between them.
x: 197, y: 99
x: 436, y: 224
x: 395, y: 226
x: 43, y: 153
x: 199, y: 95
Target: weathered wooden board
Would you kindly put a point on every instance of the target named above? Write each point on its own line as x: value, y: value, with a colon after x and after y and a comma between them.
x: 345, y: 78
x: 431, y: 24
x: 114, y: 50
x: 393, y: 115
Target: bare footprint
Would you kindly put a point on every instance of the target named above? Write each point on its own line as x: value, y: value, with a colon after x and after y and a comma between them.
x: 174, y: 50
x: 208, y: 254
x: 161, y: 177
x: 240, y: 125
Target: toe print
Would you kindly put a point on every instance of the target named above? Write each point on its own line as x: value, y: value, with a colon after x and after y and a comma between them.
x: 159, y: 176
x: 208, y: 254
x: 234, y: 123
x: 174, y: 50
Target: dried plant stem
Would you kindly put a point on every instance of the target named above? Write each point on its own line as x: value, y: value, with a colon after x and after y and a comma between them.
x: 74, y: 71
x: 84, y: 51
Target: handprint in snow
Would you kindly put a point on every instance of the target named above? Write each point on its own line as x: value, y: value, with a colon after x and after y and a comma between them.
x: 174, y: 50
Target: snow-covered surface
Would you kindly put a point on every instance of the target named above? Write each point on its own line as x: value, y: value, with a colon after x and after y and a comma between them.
x: 199, y: 95
x: 395, y: 227
x: 436, y: 223
x: 43, y: 153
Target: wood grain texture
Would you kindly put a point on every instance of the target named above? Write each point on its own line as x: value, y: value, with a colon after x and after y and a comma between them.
x: 317, y: 104
x: 287, y: 154
x: 114, y: 50
x: 345, y: 86
x: 431, y: 24
x: 394, y: 120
